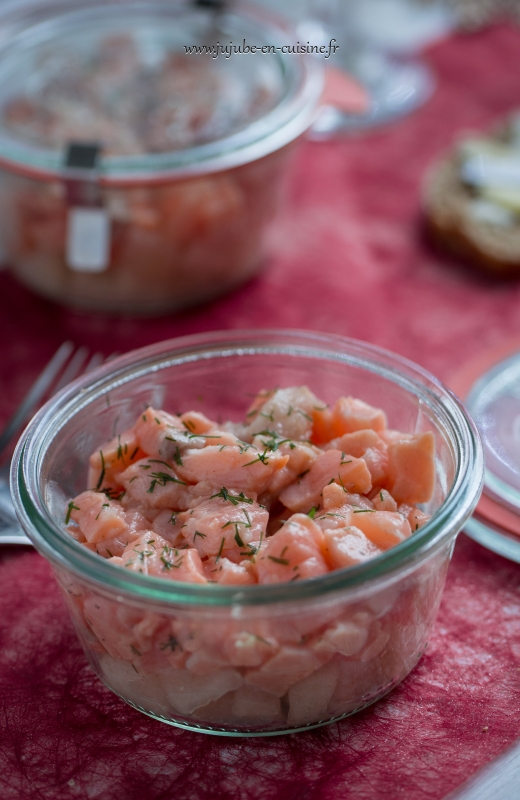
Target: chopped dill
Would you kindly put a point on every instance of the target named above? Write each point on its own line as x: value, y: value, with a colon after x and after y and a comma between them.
x: 102, y: 473
x: 172, y: 644
x: 198, y: 533
x: 134, y: 453
x: 105, y: 505
x: 235, y: 499
x: 263, y: 457
x: 238, y: 540
x: 70, y: 508
x: 364, y: 511
x: 134, y: 650
x: 312, y: 512
x: 282, y: 561
x: 381, y: 496
x: 220, y: 549
x: 162, y: 478
x: 177, y: 456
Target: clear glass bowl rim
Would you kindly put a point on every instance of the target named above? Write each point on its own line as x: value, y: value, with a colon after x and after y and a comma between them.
x: 288, y: 120
x: 504, y: 373
x: 59, y: 548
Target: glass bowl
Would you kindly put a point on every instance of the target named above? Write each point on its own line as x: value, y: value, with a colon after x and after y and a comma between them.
x: 174, y: 208
x: 253, y: 660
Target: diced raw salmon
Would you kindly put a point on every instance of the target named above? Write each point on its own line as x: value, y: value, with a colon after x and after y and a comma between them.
x: 228, y: 573
x: 246, y: 649
x: 357, y: 684
x: 150, y: 554
x: 255, y: 706
x: 345, y: 547
x: 357, y: 443
x: 411, y: 468
x: 287, y: 413
x: 332, y: 496
x: 415, y: 516
x: 168, y: 524
x: 224, y: 524
x: 143, y: 690
x: 187, y: 691
x: 350, y: 414
x: 98, y: 517
x: 288, y: 666
x: 368, y: 445
x: 309, y: 697
x: 346, y: 637
x: 301, y: 457
x: 351, y: 473
x: 136, y: 524
x: 232, y: 466
x: 154, y: 483
x: 123, y: 631
x: 112, y: 458
x: 205, y: 661
x: 376, y: 460
x: 196, y: 422
x: 383, y: 501
x: 384, y: 528
x: 378, y: 639
x: 293, y: 553
x: 152, y: 427
x: 323, y: 427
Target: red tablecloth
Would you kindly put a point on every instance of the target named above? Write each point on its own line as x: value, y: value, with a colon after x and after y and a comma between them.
x: 348, y: 258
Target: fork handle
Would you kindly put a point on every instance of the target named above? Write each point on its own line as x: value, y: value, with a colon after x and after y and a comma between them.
x: 35, y: 393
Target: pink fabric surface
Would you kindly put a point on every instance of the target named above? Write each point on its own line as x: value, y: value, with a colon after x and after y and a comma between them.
x: 348, y: 257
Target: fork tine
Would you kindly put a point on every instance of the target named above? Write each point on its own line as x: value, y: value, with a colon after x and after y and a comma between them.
x: 36, y: 393
x: 73, y: 369
x: 94, y: 362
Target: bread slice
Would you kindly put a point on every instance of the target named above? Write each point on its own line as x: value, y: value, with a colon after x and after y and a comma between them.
x: 464, y: 223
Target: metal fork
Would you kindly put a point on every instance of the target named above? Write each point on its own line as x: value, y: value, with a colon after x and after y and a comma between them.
x: 66, y: 364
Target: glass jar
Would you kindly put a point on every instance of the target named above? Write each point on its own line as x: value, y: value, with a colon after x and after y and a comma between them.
x: 181, y: 155
x: 263, y: 659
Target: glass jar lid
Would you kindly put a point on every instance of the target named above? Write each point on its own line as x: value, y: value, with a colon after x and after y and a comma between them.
x: 161, y: 87
x: 494, y: 402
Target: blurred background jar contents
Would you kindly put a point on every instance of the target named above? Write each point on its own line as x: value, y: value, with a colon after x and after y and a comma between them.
x: 186, y: 152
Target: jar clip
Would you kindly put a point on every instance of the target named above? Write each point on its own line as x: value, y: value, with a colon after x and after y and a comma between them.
x: 88, y: 221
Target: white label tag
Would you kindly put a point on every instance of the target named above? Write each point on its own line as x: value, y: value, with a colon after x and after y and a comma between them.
x: 88, y: 239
